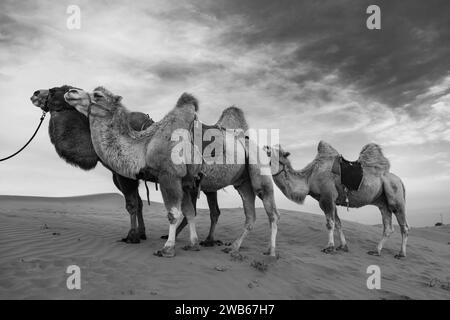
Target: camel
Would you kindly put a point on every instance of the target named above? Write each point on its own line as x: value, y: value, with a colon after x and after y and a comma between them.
x: 70, y: 134
x: 148, y: 154
x: 318, y: 179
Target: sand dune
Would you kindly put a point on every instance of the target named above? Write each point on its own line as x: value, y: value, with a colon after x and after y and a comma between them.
x: 40, y: 237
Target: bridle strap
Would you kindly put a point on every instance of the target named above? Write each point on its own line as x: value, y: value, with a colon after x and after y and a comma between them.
x: 282, y: 170
x: 46, y: 101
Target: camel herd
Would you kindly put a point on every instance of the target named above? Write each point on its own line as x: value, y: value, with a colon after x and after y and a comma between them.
x: 91, y: 127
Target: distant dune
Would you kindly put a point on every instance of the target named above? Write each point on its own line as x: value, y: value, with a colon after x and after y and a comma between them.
x: 40, y: 237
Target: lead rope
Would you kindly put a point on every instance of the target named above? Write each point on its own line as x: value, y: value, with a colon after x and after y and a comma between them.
x: 28, y: 142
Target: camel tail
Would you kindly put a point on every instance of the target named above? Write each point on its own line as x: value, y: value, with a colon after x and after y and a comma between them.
x: 187, y: 98
x: 404, y: 191
x: 391, y: 194
x: 404, y: 199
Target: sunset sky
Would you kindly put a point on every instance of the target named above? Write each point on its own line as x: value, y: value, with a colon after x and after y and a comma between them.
x: 309, y: 68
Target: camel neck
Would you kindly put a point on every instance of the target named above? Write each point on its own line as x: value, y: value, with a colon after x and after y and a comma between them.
x: 116, y: 148
x: 293, y: 184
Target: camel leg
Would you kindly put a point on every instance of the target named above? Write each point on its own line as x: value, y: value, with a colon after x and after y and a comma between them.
x: 184, y: 222
x: 247, y: 194
x: 273, y: 215
x: 386, y: 216
x: 133, y: 203
x: 140, y: 218
x: 172, y: 194
x: 189, y: 212
x: 401, y: 219
x: 395, y: 195
x: 329, y: 208
x: 214, y: 213
x: 343, y: 246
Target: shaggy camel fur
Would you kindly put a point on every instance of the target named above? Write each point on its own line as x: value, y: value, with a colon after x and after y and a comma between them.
x: 70, y: 134
x: 148, y: 153
x: 379, y: 187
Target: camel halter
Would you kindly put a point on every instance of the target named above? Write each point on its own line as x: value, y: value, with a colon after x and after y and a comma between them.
x: 44, y: 113
x: 32, y: 137
x: 282, y: 170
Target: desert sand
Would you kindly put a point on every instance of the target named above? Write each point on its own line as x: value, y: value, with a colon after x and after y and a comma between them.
x: 41, y: 237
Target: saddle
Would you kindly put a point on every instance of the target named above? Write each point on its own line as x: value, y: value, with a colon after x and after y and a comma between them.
x: 350, y: 172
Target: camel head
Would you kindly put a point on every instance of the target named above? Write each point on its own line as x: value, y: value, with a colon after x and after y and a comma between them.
x: 68, y: 130
x: 277, y: 156
x: 79, y: 99
x: 100, y: 101
x: 51, y: 99
x: 39, y: 99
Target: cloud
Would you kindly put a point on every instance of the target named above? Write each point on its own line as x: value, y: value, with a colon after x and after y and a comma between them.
x: 308, y: 68
x: 393, y: 65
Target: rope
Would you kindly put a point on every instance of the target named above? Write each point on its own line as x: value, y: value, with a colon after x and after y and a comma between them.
x: 28, y: 142
x: 148, y: 192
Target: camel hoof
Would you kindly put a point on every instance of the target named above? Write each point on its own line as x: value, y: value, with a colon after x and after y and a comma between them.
x: 166, y: 252
x: 400, y: 256
x: 165, y: 237
x: 132, y: 237
x: 270, y: 252
x: 227, y: 249
x: 236, y: 255
x: 192, y: 247
x: 268, y: 258
x: 342, y: 248
x: 211, y: 243
x: 374, y: 253
x: 273, y: 255
x: 329, y: 250
x: 143, y: 236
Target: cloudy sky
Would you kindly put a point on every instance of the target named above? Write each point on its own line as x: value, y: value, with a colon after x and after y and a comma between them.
x: 310, y: 68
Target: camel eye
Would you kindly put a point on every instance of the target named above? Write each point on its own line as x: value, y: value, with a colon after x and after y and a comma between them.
x: 97, y: 95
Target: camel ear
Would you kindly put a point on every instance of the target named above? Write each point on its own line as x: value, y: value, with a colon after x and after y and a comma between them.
x: 117, y: 99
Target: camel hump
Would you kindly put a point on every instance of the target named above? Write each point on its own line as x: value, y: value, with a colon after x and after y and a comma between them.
x: 187, y: 98
x: 233, y: 118
x: 325, y: 149
x: 371, y: 155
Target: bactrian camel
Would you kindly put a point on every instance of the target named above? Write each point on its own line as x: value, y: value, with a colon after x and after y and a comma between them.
x: 379, y: 187
x: 70, y: 134
x: 147, y: 154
